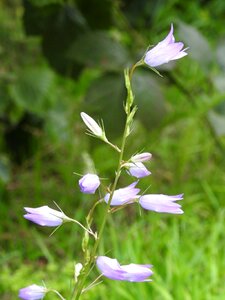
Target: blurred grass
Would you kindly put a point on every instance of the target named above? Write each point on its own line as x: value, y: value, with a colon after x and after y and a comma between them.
x: 187, y: 251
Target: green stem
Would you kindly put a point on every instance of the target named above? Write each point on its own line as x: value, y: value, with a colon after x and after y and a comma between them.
x: 79, y: 287
x: 57, y: 293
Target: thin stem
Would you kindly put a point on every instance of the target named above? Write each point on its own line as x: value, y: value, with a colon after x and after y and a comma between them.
x: 113, y: 146
x: 94, y: 283
x: 79, y: 288
x: 82, y: 226
x: 139, y: 63
x: 57, y: 293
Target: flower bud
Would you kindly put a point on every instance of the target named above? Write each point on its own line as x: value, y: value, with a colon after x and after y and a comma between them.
x: 92, y: 125
x: 45, y: 216
x: 111, y: 268
x: 162, y: 203
x: 32, y: 292
x: 89, y: 183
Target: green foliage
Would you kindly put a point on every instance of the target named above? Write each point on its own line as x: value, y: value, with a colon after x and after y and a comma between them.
x: 62, y: 57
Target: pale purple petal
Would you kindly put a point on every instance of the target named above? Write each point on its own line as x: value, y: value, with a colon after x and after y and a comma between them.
x: 44, y: 210
x: 123, y: 196
x: 89, y: 183
x: 44, y: 220
x: 32, y: 292
x: 110, y: 268
x: 44, y: 216
x: 133, y: 272
x: 162, y: 203
x: 169, y: 39
x: 138, y: 170
x: 165, y: 51
x: 145, y: 156
x: 136, y: 272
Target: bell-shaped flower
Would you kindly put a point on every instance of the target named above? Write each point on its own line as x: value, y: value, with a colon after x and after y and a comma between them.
x: 162, y: 203
x: 165, y: 51
x: 45, y: 216
x: 92, y: 125
x: 89, y: 183
x: 32, y: 292
x: 141, y: 157
x: 123, y: 196
x: 111, y: 268
x: 137, y: 169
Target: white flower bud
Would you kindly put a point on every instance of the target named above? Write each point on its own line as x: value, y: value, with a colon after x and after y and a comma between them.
x: 92, y: 125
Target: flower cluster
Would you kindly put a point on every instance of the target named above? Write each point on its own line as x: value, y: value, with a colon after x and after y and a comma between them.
x: 89, y: 183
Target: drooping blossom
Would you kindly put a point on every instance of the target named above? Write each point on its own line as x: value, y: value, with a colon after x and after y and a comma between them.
x: 92, y: 125
x: 111, y: 268
x: 141, y: 157
x: 165, y: 51
x: 162, y: 203
x: 137, y: 169
x: 45, y: 216
x: 89, y: 183
x: 32, y: 292
x: 123, y: 196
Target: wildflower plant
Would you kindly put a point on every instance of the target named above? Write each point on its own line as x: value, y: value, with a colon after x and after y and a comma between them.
x: 115, y: 196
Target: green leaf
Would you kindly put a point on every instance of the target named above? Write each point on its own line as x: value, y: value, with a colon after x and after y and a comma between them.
x: 98, y: 14
x: 149, y: 99
x: 199, y: 48
x: 220, y: 54
x: 4, y: 170
x: 97, y: 49
x: 104, y: 100
x: 31, y: 89
x: 218, y: 122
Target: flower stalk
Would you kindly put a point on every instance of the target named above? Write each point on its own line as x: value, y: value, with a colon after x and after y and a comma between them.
x: 80, y: 285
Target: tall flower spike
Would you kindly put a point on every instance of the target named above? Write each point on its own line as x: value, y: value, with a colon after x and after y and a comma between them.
x: 32, y: 292
x: 123, y: 196
x: 89, y: 183
x: 165, y: 51
x: 111, y: 268
x: 45, y: 216
x: 162, y: 203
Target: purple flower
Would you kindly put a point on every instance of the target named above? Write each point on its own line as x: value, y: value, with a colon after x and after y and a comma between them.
x: 165, y: 51
x: 45, y: 216
x: 111, y: 268
x: 137, y: 170
x: 32, y: 292
x: 123, y: 196
x: 145, y: 156
x: 89, y: 183
x: 162, y: 203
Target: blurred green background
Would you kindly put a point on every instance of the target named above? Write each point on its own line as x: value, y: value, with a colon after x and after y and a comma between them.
x: 58, y: 58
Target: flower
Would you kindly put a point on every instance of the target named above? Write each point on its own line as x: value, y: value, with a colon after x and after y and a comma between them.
x: 162, y: 203
x: 45, y: 216
x: 165, y: 51
x: 32, y: 292
x: 123, y: 196
x: 92, y: 125
x: 89, y: 183
x: 111, y: 268
x: 145, y: 156
x: 137, y: 170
